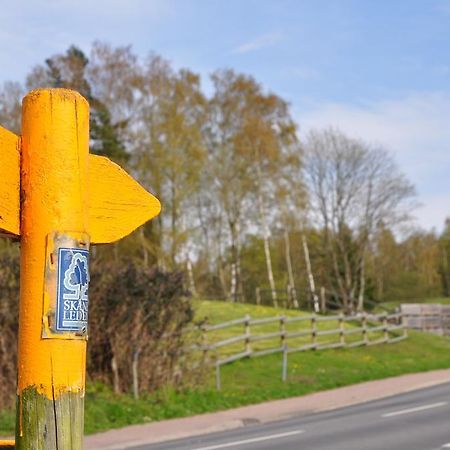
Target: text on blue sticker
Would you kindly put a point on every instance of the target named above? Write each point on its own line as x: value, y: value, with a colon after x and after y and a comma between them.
x: 72, y: 302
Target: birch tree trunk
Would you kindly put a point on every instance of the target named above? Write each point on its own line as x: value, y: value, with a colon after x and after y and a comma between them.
x: 293, y: 291
x: 190, y: 272
x: 362, y: 285
x: 135, y: 370
x: 144, y: 247
x: 265, y: 232
x: 116, y: 378
x: 312, y: 286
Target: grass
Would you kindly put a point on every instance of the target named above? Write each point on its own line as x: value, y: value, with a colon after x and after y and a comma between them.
x: 257, y: 380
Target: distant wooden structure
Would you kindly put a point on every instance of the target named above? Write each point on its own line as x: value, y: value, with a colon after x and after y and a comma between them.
x: 432, y: 318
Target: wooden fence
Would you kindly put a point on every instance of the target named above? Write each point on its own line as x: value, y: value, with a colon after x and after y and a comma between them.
x: 249, y: 337
x: 432, y: 318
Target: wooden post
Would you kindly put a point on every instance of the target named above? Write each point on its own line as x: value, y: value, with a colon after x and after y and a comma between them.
x: 283, y: 331
x: 54, y: 173
x: 204, y: 338
x: 364, y: 327
x: 402, y: 322
x: 248, y: 345
x: 341, y: 330
x: 314, y: 330
x: 385, y: 328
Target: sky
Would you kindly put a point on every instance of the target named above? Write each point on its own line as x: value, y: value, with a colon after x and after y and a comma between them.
x: 378, y: 70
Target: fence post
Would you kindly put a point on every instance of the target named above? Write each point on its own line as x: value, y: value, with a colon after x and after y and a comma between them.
x: 248, y: 345
x: 314, y: 330
x: 285, y: 363
x: 54, y: 173
x: 218, y: 381
x: 405, y: 329
x: 204, y: 339
x: 282, y: 330
x: 364, y: 327
x: 258, y: 295
x: 385, y: 328
x: 341, y: 330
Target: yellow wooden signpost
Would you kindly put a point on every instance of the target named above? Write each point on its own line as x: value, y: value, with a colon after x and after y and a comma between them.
x: 58, y: 200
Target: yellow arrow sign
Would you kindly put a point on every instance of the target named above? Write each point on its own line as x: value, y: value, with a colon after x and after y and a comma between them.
x: 117, y: 203
x: 10, y: 182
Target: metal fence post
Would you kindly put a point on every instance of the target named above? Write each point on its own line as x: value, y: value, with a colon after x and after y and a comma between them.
x: 285, y: 364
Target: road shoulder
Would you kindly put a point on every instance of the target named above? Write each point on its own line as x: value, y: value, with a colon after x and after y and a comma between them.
x: 261, y: 413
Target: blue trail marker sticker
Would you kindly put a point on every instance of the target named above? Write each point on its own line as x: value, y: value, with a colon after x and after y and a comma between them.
x: 72, y: 300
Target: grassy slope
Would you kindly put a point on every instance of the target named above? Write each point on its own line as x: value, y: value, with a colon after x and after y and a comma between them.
x: 259, y: 379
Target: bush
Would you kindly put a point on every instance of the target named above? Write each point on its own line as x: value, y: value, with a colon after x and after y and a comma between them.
x: 137, y: 316
x: 9, y: 312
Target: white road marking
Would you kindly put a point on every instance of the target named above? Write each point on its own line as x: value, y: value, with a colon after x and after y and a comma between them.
x: 251, y: 441
x: 413, y: 410
x: 446, y: 445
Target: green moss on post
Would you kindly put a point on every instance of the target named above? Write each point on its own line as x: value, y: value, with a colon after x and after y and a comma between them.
x: 44, y: 424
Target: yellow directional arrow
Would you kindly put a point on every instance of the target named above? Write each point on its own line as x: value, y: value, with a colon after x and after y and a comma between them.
x: 117, y: 204
x: 9, y: 182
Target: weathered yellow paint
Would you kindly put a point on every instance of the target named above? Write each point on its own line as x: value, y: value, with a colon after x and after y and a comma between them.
x: 54, y: 174
x: 10, y: 182
x: 117, y: 203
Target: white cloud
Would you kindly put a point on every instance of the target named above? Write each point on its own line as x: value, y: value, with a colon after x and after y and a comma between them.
x: 416, y: 129
x: 266, y: 40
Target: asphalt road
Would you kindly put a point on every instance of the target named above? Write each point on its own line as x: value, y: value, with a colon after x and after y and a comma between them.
x: 418, y: 420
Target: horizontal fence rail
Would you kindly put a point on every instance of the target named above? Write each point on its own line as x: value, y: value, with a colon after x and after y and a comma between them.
x: 249, y: 337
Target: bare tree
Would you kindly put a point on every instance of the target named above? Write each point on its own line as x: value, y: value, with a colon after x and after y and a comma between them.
x: 11, y: 106
x: 353, y: 189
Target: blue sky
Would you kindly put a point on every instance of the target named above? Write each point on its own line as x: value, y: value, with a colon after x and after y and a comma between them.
x: 376, y: 69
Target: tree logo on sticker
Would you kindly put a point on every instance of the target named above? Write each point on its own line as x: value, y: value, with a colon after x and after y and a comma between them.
x: 73, y: 282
